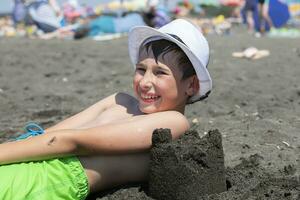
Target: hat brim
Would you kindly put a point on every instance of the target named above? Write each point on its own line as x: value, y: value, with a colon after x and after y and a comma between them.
x: 139, y: 34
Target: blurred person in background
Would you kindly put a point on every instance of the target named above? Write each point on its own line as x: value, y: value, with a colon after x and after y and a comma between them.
x: 265, y: 22
x: 156, y: 15
x: 45, y: 14
x: 19, y: 12
x: 101, y: 25
x: 250, y: 7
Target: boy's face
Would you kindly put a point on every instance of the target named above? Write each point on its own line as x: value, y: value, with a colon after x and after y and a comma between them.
x: 159, y: 86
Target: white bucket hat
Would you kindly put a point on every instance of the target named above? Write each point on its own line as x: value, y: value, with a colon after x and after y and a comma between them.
x: 188, y: 37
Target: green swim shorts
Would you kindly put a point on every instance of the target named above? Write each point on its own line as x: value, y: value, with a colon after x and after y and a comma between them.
x: 54, y: 179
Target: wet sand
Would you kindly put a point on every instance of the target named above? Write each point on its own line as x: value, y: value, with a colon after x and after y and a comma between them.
x: 255, y: 105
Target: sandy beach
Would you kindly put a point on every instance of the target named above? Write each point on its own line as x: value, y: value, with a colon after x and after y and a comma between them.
x: 255, y: 104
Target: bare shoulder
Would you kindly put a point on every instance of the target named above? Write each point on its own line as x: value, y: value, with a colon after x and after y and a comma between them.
x: 171, y: 116
x: 175, y: 115
x: 173, y: 120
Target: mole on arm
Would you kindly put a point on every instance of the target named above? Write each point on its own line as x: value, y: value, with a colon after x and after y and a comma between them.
x: 52, y: 140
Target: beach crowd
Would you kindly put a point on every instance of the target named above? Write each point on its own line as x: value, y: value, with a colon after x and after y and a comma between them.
x: 46, y: 19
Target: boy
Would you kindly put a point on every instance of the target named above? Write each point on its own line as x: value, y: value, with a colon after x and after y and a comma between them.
x: 107, y: 144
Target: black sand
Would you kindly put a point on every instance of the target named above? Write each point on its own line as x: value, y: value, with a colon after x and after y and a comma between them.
x: 187, y: 168
x: 254, y: 104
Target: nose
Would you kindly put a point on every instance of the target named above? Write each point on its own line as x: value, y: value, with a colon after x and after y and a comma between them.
x: 147, y: 80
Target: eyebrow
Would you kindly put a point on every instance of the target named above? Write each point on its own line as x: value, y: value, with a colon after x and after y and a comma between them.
x: 159, y: 67
x: 163, y: 69
x: 140, y: 64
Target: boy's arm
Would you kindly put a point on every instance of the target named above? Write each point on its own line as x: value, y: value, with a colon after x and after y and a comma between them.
x: 51, y: 145
x: 129, y: 136
x: 85, y: 116
x: 125, y: 137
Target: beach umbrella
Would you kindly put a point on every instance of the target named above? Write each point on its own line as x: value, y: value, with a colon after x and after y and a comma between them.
x: 279, y: 12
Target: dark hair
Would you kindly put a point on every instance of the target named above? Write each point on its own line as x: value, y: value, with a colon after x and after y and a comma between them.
x: 81, y: 32
x: 162, y: 47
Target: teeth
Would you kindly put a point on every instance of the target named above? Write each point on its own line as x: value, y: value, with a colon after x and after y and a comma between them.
x: 148, y: 97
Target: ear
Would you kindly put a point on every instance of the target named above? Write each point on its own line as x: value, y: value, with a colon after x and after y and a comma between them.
x: 193, y: 85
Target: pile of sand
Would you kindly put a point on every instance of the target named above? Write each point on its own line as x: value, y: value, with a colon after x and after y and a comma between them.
x: 193, y: 168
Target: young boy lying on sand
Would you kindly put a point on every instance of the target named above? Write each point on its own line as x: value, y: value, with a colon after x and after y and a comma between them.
x: 107, y: 144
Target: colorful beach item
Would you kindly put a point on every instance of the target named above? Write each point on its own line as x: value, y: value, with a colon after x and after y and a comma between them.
x: 279, y: 12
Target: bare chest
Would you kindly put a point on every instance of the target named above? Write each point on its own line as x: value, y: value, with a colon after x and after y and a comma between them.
x: 116, y: 114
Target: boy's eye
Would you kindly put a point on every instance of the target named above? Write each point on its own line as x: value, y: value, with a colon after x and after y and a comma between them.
x: 161, y: 72
x: 140, y: 69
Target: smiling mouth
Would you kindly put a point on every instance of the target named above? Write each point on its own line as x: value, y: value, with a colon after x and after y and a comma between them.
x: 149, y: 98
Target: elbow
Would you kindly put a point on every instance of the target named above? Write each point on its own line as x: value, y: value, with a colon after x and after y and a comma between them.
x: 63, y: 143
x: 71, y: 145
x: 81, y: 143
x: 180, y: 126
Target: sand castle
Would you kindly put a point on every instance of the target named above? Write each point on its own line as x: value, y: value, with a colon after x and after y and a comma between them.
x: 187, y: 168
